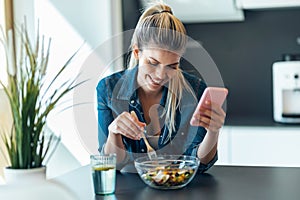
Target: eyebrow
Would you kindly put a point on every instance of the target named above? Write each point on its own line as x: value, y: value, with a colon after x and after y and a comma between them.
x: 176, y: 63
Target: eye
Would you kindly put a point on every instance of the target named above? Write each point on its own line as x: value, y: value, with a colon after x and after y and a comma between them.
x: 172, y: 66
x: 153, y: 63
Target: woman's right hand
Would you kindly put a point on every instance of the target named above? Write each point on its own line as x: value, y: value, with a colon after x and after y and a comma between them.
x: 128, y: 125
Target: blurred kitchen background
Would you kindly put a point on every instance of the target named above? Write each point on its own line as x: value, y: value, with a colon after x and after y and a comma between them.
x: 243, y: 49
x: 243, y: 37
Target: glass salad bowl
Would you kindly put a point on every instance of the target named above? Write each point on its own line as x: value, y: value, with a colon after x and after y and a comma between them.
x: 167, y: 171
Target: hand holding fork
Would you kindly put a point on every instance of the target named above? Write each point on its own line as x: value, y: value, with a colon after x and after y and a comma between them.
x: 150, y: 151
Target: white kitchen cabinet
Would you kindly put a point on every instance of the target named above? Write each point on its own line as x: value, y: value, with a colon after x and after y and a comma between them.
x: 267, y: 4
x: 260, y: 146
x: 205, y: 10
x: 224, y: 147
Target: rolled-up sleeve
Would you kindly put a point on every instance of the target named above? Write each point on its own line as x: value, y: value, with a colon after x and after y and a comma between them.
x: 193, y: 150
x: 204, y: 167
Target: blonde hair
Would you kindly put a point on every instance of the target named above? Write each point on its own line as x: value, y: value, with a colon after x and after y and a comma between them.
x: 159, y: 27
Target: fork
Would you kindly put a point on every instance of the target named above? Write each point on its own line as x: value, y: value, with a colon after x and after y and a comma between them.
x: 150, y: 151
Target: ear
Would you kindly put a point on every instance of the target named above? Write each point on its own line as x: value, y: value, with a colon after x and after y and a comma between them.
x: 135, y: 51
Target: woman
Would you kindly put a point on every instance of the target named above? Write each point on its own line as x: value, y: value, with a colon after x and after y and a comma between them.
x: 161, y: 95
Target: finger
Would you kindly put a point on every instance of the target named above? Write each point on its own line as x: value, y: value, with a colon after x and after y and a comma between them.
x: 130, y: 123
x: 216, y: 113
x: 196, y: 117
x: 214, y: 121
x: 212, y: 115
x: 216, y: 108
x: 125, y: 125
x: 117, y: 129
x: 203, y: 113
x: 209, y: 126
x: 203, y: 124
x: 128, y: 131
x: 210, y: 120
x: 130, y: 136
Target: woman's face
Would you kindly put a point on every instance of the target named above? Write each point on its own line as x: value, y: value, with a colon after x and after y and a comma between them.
x: 156, y: 67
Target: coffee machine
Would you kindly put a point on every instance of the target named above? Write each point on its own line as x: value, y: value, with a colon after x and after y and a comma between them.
x: 286, y: 91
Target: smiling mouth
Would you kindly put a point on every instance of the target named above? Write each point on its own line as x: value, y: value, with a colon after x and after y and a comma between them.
x: 157, y: 83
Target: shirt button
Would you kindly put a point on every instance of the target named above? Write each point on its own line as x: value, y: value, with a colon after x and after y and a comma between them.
x: 132, y: 101
x: 182, y: 133
x: 143, y: 150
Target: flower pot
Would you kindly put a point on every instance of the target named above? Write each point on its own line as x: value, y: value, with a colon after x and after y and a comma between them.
x: 32, y: 184
x: 24, y: 176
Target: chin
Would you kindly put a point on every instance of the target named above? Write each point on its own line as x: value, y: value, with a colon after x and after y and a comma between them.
x: 154, y: 88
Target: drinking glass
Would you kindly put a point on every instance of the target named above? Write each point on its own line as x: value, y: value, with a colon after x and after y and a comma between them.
x: 103, y: 168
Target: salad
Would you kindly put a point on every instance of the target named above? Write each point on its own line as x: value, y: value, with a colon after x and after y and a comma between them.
x: 168, y: 177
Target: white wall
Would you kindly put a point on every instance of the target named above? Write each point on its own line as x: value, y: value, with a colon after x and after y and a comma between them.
x: 5, y: 125
x: 2, y: 52
x: 70, y: 24
x: 5, y: 118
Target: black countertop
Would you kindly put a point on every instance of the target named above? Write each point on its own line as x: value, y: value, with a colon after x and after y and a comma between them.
x: 218, y: 183
x: 221, y: 182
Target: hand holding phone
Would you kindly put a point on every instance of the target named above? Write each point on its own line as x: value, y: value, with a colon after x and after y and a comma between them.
x: 215, y: 95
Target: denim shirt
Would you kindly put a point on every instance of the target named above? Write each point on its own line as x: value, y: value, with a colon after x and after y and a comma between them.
x: 118, y: 93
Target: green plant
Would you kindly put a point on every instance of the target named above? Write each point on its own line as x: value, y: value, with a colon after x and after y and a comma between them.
x: 31, y: 100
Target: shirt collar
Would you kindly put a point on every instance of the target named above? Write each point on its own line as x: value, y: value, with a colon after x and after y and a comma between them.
x: 127, y: 84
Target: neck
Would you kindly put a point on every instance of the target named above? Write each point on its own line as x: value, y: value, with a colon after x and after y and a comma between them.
x: 150, y: 95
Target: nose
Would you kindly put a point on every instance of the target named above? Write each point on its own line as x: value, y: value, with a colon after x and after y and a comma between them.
x: 160, y: 72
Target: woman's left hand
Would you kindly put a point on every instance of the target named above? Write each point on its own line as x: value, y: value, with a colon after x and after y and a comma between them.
x: 211, y: 116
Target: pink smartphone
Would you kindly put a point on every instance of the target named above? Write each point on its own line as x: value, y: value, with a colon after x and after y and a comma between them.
x: 213, y: 94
